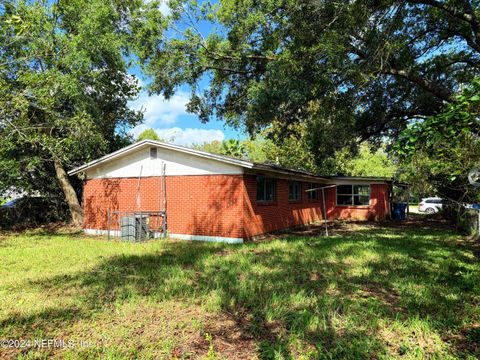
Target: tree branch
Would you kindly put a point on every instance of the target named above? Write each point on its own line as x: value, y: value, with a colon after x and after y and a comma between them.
x: 425, y: 84
x: 470, y: 18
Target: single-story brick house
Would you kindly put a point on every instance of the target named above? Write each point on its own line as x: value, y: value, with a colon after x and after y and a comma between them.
x: 218, y: 198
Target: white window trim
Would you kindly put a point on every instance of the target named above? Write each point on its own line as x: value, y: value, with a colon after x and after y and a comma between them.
x: 353, y: 196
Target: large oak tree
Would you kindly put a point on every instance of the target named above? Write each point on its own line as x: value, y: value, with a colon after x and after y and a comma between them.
x: 64, y: 87
x: 344, y: 69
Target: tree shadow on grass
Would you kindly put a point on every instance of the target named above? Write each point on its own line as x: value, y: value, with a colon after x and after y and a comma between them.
x: 295, y: 295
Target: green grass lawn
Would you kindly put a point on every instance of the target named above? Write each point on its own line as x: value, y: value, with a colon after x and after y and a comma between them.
x: 366, y: 292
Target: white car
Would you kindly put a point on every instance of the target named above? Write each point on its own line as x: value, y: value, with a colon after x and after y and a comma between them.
x: 430, y: 205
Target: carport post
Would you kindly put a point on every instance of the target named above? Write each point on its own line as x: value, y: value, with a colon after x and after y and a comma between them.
x: 408, y: 200
x: 324, y: 211
x: 478, y: 222
x: 108, y: 227
x: 323, y: 201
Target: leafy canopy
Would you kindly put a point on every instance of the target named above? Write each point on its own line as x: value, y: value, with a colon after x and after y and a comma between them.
x: 451, y: 142
x: 64, y: 86
x: 366, y: 162
x: 149, y: 134
x: 345, y: 70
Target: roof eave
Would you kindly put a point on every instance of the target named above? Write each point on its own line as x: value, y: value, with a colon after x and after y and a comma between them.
x: 288, y: 172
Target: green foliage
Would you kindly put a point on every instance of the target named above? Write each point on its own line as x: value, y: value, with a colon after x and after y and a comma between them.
x: 292, y: 152
x: 253, y: 150
x: 368, y: 162
x: 416, y: 170
x: 450, y: 141
x: 341, y: 69
x: 64, y: 85
x: 214, y: 147
x: 289, y: 148
x: 149, y: 134
x: 233, y: 148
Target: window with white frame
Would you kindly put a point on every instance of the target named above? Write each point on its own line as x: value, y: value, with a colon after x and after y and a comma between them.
x: 294, y: 191
x: 356, y: 195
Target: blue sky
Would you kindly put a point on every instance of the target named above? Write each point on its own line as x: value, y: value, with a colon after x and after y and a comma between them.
x: 169, y: 118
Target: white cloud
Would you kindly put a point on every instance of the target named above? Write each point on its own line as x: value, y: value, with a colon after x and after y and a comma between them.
x: 159, y: 111
x: 190, y: 136
x: 185, y: 137
x: 163, y: 7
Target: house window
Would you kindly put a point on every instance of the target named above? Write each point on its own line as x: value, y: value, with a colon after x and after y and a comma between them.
x: 294, y: 191
x: 266, y: 189
x: 153, y: 153
x: 313, y: 195
x: 357, y: 195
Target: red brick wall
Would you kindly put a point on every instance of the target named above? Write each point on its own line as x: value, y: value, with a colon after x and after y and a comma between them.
x: 219, y: 205
x: 263, y: 218
x: 196, y: 205
x: 205, y: 205
x: 379, y: 207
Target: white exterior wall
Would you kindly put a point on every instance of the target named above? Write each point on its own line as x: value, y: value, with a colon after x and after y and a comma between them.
x: 177, y: 163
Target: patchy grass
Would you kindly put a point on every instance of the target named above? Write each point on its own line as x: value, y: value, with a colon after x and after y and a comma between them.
x: 369, y: 291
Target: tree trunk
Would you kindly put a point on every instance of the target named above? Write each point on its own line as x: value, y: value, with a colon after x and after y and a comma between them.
x: 70, y: 194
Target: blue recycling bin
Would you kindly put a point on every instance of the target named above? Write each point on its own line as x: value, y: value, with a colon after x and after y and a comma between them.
x: 399, y: 211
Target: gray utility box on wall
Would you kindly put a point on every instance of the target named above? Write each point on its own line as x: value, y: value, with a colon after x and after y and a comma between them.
x: 134, y: 228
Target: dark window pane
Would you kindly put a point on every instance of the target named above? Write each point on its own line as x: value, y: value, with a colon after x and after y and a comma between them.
x: 313, y: 195
x: 153, y: 153
x: 361, y: 200
x: 270, y: 189
x: 344, y: 189
x: 361, y: 189
x: 294, y: 191
x: 344, y: 199
x: 266, y: 189
x: 260, y: 188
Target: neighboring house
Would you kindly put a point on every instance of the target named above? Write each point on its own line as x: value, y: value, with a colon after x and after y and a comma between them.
x: 217, y: 198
